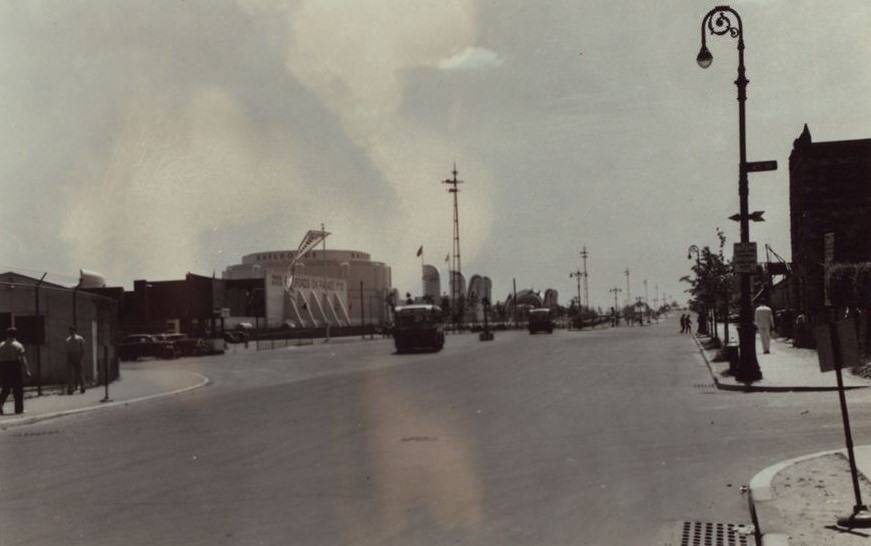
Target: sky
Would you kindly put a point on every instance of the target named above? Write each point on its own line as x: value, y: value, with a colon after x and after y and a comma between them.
x: 147, y: 139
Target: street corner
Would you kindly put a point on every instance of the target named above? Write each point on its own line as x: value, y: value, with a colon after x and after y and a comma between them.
x: 799, y: 501
x: 134, y: 386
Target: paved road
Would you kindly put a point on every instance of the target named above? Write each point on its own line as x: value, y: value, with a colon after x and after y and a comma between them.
x: 598, y: 437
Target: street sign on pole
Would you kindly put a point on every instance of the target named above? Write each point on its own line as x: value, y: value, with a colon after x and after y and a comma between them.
x: 755, y: 216
x: 744, y: 257
x: 760, y: 166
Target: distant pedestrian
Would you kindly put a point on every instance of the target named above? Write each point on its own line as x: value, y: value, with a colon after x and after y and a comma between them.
x: 683, y: 323
x: 13, y: 368
x: 689, y: 324
x: 764, y: 320
x: 75, y: 353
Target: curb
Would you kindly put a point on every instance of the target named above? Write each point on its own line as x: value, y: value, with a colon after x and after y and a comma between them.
x: 761, y: 492
x: 749, y: 387
x: 22, y: 421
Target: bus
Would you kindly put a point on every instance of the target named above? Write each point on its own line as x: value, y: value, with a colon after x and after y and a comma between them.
x: 419, y: 326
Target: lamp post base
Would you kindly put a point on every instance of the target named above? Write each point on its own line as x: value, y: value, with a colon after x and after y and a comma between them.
x: 859, y: 519
x: 748, y: 367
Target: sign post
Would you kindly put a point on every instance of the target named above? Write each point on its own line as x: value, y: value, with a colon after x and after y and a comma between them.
x: 837, y: 345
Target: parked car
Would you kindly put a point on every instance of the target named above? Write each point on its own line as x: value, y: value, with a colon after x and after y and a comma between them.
x: 188, y: 346
x: 136, y: 346
x: 235, y: 336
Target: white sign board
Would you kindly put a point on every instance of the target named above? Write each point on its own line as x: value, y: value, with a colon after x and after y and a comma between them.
x: 744, y: 258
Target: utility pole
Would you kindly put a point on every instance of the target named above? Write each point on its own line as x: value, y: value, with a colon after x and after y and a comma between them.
x: 578, y: 275
x: 615, y: 291
x: 326, y: 295
x: 584, y: 255
x: 456, y: 268
x: 628, y: 289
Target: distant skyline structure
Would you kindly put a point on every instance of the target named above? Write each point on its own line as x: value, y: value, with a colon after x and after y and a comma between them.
x: 584, y: 255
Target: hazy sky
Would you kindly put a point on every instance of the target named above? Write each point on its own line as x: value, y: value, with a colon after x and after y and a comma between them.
x: 145, y: 139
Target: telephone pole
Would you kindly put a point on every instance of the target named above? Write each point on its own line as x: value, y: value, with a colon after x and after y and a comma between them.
x: 615, y: 291
x: 578, y: 275
x: 628, y: 289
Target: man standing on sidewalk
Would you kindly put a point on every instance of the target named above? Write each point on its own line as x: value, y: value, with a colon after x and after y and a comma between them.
x: 764, y: 320
x: 13, y: 368
x: 75, y: 352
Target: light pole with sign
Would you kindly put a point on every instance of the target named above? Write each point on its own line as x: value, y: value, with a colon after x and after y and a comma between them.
x: 722, y: 21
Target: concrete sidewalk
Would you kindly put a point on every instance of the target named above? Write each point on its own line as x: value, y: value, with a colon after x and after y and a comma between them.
x: 798, y: 502
x: 785, y: 368
x: 138, y: 382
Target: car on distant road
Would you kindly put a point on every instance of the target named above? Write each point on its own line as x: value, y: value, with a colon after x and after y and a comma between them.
x: 136, y: 346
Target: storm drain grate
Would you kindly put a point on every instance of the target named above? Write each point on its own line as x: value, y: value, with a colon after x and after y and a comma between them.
x: 699, y: 533
x: 705, y: 386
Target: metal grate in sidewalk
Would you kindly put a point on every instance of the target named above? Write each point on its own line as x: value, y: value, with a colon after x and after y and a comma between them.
x: 700, y: 533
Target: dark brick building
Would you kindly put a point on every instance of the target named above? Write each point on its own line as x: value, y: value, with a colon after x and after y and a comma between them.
x: 829, y: 192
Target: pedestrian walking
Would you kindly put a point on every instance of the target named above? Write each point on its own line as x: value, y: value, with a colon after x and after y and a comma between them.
x: 13, y: 368
x: 689, y: 324
x: 75, y: 353
x: 683, y: 323
x: 764, y: 320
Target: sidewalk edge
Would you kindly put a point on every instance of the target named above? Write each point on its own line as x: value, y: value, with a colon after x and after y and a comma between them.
x: 749, y: 387
x: 761, y: 495
x: 22, y: 421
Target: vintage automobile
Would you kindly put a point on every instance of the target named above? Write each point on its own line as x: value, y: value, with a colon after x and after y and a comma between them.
x: 188, y: 346
x: 136, y: 346
x: 418, y: 326
x: 540, y: 320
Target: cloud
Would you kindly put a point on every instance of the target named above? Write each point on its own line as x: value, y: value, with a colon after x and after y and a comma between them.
x: 472, y: 58
x: 361, y: 76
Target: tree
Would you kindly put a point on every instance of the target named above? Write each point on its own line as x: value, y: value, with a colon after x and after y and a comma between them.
x: 709, y: 287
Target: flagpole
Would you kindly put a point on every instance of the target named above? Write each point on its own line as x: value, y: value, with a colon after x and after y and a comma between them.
x: 422, y: 275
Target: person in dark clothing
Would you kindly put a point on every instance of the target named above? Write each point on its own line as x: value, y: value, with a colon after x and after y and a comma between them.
x: 683, y: 323
x: 689, y: 324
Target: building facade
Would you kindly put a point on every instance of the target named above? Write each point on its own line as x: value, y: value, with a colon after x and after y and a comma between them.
x: 42, y: 312
x: 830, y: 200
x: 335, y: 287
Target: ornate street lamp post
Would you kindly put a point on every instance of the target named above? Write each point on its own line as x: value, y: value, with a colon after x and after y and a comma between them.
x: 720, y: 21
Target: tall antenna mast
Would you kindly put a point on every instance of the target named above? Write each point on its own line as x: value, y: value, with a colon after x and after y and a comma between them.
x: 456, y: 266
x: 584, y: 255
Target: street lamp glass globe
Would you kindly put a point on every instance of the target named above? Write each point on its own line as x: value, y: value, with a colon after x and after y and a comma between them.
x: 704, y: 57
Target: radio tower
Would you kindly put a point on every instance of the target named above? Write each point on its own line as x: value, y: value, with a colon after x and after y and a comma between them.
x: 584, y: 255
x: 456, y: 267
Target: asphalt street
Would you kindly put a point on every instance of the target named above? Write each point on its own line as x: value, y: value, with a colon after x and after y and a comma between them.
x: 611, y: 436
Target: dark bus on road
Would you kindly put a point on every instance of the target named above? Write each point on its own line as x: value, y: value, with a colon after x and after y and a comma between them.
x: 540, y: 321
x: 419, y: 326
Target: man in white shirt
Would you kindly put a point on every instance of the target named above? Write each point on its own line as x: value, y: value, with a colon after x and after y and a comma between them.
x: 13, y: 368
x: 764, y: 320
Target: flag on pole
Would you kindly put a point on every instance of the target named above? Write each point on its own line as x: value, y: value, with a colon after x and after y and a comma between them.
x: 420, y: 251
